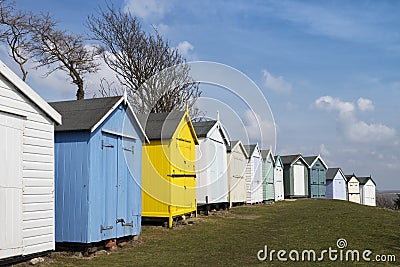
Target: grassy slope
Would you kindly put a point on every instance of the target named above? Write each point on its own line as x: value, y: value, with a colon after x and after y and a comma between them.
x: 233, y: 239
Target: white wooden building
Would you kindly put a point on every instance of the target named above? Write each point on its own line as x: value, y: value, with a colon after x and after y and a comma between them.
x: 237, y: 162
x: 353, y: 189
x: 268, y: 163
x: 278, y: 179
x: 336, y: 184
x: 26, y: 168
x: 367, y: 191
x: 254, y: 175
x: 211, y: 163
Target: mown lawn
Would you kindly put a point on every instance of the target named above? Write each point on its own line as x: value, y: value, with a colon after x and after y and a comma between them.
x: 233, y: 238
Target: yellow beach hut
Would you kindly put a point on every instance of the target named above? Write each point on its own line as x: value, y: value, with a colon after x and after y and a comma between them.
x: 169, y: 174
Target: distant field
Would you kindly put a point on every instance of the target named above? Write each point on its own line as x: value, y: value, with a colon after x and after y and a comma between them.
x: 233, y: 238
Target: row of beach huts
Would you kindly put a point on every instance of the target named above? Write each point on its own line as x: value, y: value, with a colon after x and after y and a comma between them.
x: 87, y: 171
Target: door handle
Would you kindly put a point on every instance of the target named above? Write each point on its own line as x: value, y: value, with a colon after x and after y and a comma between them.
x: 120, y: 221
x: 123, y: 223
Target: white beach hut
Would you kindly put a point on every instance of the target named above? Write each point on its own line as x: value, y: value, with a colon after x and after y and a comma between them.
x: 367, y: 191
x: 211, y: 163
x: 254, y: 175
x: 278, y: 179
x: 353, y: 189
x: 26, y: 168
x: 237, y: 162
x: 268, y: 163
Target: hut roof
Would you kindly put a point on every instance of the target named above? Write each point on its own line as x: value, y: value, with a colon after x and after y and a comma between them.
x: 364, y: 180
x: 289, y: 159
x: 162, y: 126
x: 203, y: 127
x: 312, y: 159
x: 250, y: 149
x: 331, y: 173
x: 265, y: 153
x: 84, y: 114
x: 88, y: 114
x: 233, y: 144
x: 349, y: 176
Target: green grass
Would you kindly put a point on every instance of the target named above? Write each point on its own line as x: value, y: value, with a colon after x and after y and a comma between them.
x: 233, y: 238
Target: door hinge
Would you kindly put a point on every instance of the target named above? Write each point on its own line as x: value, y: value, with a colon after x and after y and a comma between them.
x: 129, y: 149
x: 104, y: 145
x: 103, y: 228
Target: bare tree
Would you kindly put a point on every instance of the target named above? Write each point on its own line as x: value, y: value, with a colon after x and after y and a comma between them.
x: 15, y: 32
x: 384, y: 201
x: 155, y: 75
x: 59, y: 50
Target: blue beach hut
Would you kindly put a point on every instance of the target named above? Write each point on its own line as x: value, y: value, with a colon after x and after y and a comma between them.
x: 98, y: 170
x: 316, y: 176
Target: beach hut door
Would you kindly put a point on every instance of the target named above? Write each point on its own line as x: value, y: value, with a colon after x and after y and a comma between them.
x: 298, y: 174
x: 11, y: 131
x: 110, y: 172
x: 128, y: 203
x: 120, y: 202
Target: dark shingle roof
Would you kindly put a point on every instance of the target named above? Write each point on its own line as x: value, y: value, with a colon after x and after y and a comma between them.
x: 289, y: 159
x: 203, y: 127
x: 364, y: 180
x: 161, y: 126
x: 348, y: 176
x: 264, y: 153
x: 331, y: 173
x: 82, y: 115
x: 233, y: 144
x: 250, y: 149
x: 310, y: 159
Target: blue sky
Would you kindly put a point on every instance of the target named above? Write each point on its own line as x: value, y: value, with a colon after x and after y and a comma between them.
x: 329, y: 69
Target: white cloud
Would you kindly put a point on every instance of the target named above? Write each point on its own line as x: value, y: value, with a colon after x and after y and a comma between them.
x: 330, y: 103
x: 277, y: 84
x: 365, y: 104
x: 324, y: 150
x: 185, y: 48
x: 162, y: 28
x: 362, y: 132
x: 353, y: 129
x: 147, y: 9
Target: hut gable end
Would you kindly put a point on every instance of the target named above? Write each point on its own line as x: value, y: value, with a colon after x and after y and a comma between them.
x: 169, y: 177
x: 98, y: 170
x: 27, y: 171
